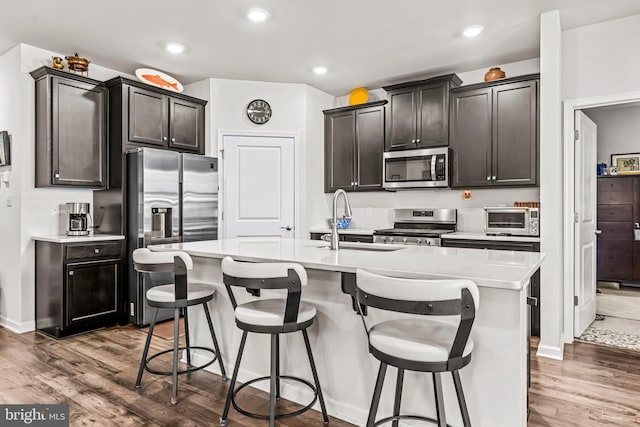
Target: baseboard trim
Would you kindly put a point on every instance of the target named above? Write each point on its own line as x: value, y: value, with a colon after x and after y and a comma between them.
x: 18, y: 328
x: 292, y: 392
x: 551, y: 352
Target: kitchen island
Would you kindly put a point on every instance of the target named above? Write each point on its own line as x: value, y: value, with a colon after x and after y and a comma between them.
x: 495, y: 381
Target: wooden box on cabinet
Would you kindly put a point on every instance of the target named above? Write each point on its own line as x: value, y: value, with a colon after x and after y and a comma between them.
x: 494, y: 133
x: 418, y: 115
x: 354, y: 143
x: 144, y: 115
x: 71, y: 130
x: 78, y: 286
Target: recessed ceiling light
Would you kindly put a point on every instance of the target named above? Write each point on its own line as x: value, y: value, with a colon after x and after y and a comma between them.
x: 175, y: 47
x: 472, y: 30
x: 258, y: 15
x: 320, y: 69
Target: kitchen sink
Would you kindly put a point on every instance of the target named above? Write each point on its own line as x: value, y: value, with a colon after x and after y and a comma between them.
x: 353, y: 246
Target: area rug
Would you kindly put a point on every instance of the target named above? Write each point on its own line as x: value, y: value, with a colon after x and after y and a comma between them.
x: 614, y: 338
x: 624, y: 304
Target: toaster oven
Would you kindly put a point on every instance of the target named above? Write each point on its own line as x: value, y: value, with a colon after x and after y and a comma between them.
x: 512, y: 221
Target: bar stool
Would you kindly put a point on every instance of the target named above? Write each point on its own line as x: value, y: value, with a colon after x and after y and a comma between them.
x: 178, y: 297
x: 273, y: 317
x: 419, y: 344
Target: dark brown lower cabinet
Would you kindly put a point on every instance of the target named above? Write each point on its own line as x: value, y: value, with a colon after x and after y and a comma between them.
x: 78, y: 286
x: 506, y: 245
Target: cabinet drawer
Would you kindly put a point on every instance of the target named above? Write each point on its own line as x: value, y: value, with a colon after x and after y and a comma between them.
x: 619, y: 250
x: 615, y: 213
x: 616, y: 230
x: 96, y: 250
x: 609, y: 269
x: 618, y: 185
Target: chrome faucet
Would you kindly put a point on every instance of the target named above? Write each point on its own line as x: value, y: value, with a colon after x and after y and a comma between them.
x: 347, y: 214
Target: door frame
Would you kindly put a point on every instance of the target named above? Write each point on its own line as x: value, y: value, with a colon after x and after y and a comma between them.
x: 296, y: 171
x: 569, y: 235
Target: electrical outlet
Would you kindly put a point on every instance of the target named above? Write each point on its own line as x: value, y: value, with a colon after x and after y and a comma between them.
x: 9, y: 200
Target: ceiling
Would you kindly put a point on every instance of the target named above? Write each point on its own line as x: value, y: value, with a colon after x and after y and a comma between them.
x: 362, y: 42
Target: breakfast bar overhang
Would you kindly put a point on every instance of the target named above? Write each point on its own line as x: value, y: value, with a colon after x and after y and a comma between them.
x: 495, y: 381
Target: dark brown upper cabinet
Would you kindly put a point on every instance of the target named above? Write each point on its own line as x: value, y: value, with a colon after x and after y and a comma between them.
x: 354, y: 143
x: 144, y: 115
x: 71, y: 130
x: 494, y: 133
x: 419, y: 112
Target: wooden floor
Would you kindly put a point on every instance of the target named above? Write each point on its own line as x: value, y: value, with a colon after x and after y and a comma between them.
x: 95, y: 374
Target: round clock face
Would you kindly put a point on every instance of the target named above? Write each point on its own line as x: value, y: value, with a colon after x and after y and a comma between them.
x: 259, y: 111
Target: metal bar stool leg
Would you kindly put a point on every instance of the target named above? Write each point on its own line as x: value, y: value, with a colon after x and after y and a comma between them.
x: 376, y: 394
x: 145, y: 352
x: 314, y: 371
x: 215, y: 342
x: 466, y: 421
x: 186, y: 336
x: 437, y: 388
x: 234, y: 377
x: 176, y: 344
x: 396, y: 404
x: 274, y: 379
x: 278, y: 366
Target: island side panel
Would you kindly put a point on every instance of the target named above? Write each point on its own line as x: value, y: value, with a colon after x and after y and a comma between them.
x: 494, y: 382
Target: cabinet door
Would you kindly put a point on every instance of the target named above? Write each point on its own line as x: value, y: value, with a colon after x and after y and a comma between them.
x: 78, y: 134
x: 401, y: 121
x: 515, y: 134
x: 340, y: 140
x: 369, y: 147
x: 186, y: 125
x: 92, y: 290
x: 470, y: 138
x: 148, y: 117
x: 433, y: 116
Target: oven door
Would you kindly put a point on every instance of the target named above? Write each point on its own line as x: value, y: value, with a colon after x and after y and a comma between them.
x: 507, y: 221
x: 416, y: 168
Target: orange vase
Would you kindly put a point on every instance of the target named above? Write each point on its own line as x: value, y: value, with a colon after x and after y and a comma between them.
x: 494, y: 73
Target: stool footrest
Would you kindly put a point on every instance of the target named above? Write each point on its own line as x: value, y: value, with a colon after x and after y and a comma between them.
x: 406, y: 417
x: 278, y: 416
x: 183, y: 371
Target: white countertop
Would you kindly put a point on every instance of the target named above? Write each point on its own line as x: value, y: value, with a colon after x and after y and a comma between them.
x: 327, y: 230
x: 482, y: 236
x: 78, y: 239
x: 489, y: 268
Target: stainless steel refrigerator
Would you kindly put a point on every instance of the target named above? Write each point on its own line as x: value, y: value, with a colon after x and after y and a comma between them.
x: 172, y: 197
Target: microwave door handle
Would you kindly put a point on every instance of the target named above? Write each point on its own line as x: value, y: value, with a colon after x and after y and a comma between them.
x: 433, y: 168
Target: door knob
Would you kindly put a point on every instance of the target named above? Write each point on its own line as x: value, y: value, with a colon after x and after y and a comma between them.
x: 598, y: 232
x: 288, y: 228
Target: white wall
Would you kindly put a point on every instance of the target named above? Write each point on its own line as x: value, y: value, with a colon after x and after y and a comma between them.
x: 601, y: 59
x: 551, y: 191
x: 36, y: 210
x: 618, y: 130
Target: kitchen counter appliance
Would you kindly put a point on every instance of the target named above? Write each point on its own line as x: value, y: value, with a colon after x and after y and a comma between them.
x: 172, y: 198
x: 418, y: 227
x: 422, y: 168
x: 77, y: 224
x: 517, y: 221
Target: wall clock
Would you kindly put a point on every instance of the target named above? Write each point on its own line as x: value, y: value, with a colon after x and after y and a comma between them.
x: 259, y: 111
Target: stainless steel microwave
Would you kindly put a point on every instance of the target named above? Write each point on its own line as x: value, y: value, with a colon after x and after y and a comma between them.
x: 428, y: 167
x: 512, y: 221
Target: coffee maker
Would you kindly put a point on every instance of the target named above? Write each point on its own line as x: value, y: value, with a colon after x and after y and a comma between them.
x: 77, y: 224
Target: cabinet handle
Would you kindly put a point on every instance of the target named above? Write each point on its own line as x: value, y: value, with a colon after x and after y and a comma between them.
x: 488, y: 178
x: 56, y: 175
x: 417, y: 140
x: 164, y: 138
x: 355, y: 183
x: 413, y: 141
x: 173, y: 140
x: 71, y: 273
x: 493, y: 177
x: 96, y: 250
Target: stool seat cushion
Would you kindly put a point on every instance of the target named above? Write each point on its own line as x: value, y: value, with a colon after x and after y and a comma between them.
x: 270, y: 312
x: 167, y: 293
x: 419, y: 340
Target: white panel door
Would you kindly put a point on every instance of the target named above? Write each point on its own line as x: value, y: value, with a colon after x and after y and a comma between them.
x: 258, y: 186
x: 585, y: 225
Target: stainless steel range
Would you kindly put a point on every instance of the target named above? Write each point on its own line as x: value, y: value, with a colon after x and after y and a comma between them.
x: 418, y: 227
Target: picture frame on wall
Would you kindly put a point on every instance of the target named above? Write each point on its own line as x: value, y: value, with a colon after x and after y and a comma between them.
x: 626, y: 162
x: 5, y: 152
